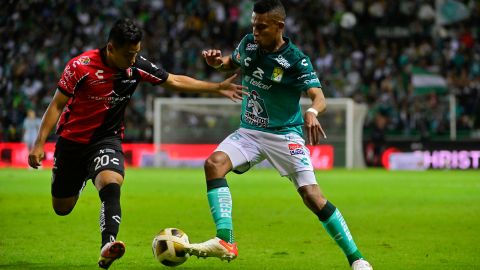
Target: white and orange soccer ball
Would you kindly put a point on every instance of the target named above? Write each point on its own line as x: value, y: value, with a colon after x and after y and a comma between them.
x: 168, y: 247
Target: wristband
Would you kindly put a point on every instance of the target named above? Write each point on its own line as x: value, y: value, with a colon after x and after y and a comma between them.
x: 219, y: 66
x: 312, y: 110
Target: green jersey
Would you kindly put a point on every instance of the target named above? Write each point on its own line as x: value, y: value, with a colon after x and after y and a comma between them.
x: 275, y: 82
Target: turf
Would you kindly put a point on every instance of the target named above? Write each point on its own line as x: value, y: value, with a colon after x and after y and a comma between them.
x: 400, y: 220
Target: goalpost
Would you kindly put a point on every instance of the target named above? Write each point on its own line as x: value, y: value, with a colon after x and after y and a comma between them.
x: 207, y: 121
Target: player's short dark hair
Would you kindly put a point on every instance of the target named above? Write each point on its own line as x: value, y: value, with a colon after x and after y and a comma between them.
x: 123, y: 32
x: 264, y: 6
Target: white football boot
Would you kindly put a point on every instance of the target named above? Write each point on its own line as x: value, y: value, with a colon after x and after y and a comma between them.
x: 361, y: 264
x: 215, y: 247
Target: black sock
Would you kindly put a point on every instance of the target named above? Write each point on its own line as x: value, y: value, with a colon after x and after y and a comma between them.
x: 110, y: 212
x: 216, y: 183
x: 326, y: 212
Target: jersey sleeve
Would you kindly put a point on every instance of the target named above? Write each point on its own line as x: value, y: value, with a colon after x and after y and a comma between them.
x: 72, y: 75
x: 149, y: 72
x: 306, y: 77
x: 237, y: 53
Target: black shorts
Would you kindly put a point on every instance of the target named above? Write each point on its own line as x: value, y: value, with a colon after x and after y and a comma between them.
x: 75, y: 163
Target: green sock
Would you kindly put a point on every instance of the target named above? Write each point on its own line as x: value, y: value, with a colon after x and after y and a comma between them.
x: 354, y: 256
x: 220, y: 201
x: 337, y: 228
x: 225, y: 235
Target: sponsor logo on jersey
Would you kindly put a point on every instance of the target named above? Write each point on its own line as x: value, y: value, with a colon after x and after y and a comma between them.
x: 311, y: 81
x: 246, y: 61
x: 256, y: 83
x: 313, y: 73
x: 296, y: 149
x: 255, y: 113
x: 277, y: 74
x: 68, y: 74
x: 258, y: 73
x: 110, y: 101
x: 106, y: 150
x: 282, y: 61
x: 63, y: 83
x: 129, y: 81
x: 251, y: 47
x: 97, y: 82
x: 99, y: 73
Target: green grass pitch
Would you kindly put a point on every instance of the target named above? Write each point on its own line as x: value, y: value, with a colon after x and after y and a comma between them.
x: 400, y: 220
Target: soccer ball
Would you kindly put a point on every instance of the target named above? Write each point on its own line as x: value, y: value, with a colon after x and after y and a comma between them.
x: 168, y: 247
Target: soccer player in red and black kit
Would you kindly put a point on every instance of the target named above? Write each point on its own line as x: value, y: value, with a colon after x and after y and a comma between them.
x: 90, y: 101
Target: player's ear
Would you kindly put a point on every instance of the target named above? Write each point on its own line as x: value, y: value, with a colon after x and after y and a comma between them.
x: 110, y: 47
x: 281, y: 25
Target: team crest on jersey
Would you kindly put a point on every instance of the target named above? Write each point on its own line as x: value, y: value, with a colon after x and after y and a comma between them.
x: 277, y: 74
x: 84, y: 60
x: 296, y: 149
x: 255, y: 112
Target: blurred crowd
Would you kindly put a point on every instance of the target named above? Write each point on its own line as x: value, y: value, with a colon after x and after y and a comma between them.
x: 370, y: 59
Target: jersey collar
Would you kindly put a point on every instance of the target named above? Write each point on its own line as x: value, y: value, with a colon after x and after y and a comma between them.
x: 281, y: 50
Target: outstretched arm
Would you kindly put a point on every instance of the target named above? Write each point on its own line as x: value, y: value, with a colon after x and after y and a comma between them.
x: 49, y: 120
x: 188, y: 84
x: 312, y: 125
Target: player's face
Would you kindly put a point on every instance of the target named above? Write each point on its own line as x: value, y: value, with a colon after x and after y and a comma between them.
x: 123, y: 57
x: 267, y: 31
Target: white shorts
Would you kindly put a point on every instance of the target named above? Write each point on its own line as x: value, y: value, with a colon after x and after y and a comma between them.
x: 286, y: 153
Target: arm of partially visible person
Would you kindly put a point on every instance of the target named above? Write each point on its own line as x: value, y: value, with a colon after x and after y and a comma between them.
x: 188, y: 84
x: 49, y: 121
x: 312, y: 125
x: 156, y: 75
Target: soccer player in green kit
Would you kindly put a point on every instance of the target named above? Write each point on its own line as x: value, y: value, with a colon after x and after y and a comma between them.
x: 276, y: 73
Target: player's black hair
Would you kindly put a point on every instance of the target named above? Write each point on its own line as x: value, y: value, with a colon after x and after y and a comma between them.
x: 123, y: 32
x: 264, y: 6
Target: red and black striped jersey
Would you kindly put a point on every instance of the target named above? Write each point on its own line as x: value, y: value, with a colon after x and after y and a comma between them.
x: 99, y: 95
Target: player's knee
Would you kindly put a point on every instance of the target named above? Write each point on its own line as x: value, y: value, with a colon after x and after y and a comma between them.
x: 106, y: 177
x: 214, y: 162
x: 64, y: 206
x: 62, y: 211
